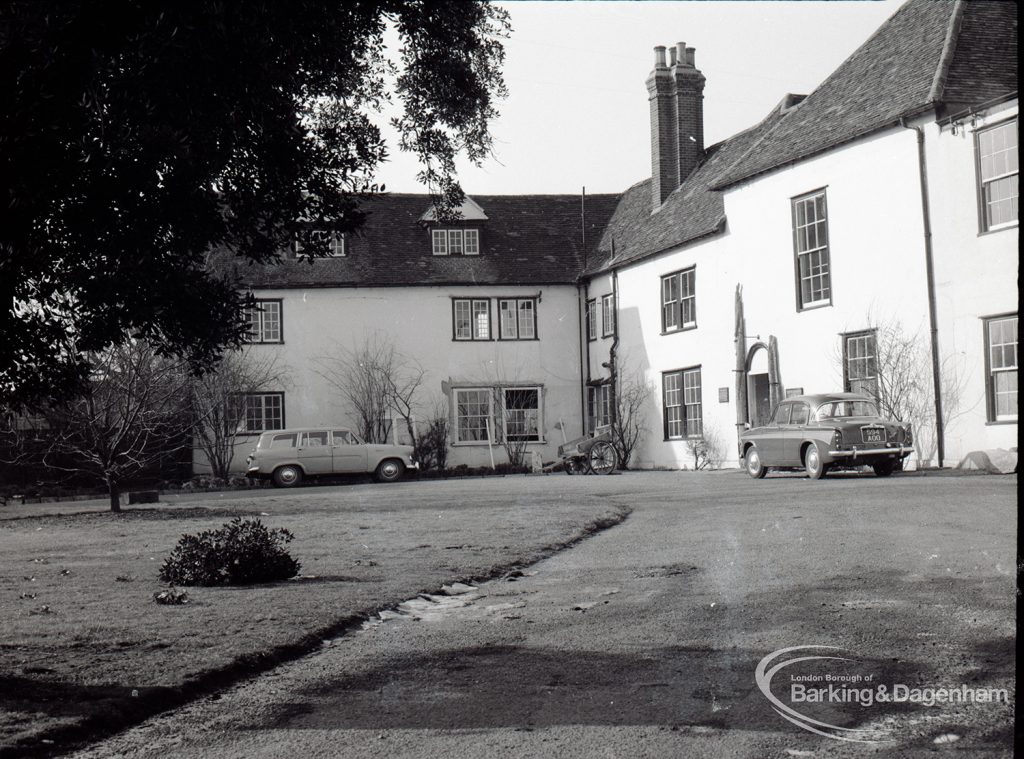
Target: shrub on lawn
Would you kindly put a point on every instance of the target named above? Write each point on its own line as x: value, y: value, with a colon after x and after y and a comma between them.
x: 242, y: 552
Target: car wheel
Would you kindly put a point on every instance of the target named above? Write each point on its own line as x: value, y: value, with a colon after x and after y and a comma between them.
x: 389, y: 470
x: 884, y: 468
x: 752, y: 460
x: 287, y: 476
x: 812, y: 462
x: 602, y: 458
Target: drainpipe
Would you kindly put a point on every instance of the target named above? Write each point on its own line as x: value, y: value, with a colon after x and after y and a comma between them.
x: 582, y: 296
x: 940, y: 432
x: 613, y: 351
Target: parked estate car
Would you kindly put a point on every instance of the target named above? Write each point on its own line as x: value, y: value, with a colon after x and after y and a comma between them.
x: 287, y: 457
x: 822, y: 432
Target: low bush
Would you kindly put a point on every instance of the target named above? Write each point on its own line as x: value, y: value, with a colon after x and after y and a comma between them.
x: 242, y: 552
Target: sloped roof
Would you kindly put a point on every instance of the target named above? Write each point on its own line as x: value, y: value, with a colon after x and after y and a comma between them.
x: 690, y: 212
x: 526, y: 239
x: 900, y: 71
x: 983, y: 67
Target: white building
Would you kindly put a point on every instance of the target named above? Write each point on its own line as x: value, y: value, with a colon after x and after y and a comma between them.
x: 880, y: 209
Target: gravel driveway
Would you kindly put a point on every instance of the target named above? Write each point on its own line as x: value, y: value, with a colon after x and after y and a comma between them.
x: 644, y: 640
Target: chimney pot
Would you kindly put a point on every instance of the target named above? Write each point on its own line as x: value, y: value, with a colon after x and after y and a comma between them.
x: 680, y: 53
x: 659, y: 57
x: 690, y: 56
x: 671, y: 56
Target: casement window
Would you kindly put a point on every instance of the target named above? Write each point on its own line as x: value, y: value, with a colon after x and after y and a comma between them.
x: 810, y: 245
x: 472, y: 318
x: 607, y: 315
x: 860, y: 363
x: 522, y: 413
x: 263, y: 411
x: 472, y: 415
x: 517, y: 408
x: 1001, y: 367
x: 591, y: 317
x: 998, y: 175
x: 334, y: 241
x: 455, y: 242
x: 264, y: 318
x: 679, y: 300
x: 599, y: 406
x: 683, y: 417
x: 517, y: 318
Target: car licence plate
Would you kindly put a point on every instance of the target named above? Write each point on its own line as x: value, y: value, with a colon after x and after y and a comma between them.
x: 873, y: 435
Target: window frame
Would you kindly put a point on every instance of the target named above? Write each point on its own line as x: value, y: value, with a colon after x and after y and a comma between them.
x: 442, y: 241
x: 243, y: 421
x: 984, y: 227
x: 608, y: 315
x: 824, y: 251
x: 259, y: 309
x: 473, y: 338
x: 599, y: 409
x: 505, y: 390
x: 991, y: 394
x: 591, y: 319
x: 684, y: 420
x: 488, y: 417
x: 871, y: 358
x: 678, y: 278
x: 517, y: 322
x: 337, y: 241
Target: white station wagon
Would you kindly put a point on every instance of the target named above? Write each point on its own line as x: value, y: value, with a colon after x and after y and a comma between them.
x: 287, y: 457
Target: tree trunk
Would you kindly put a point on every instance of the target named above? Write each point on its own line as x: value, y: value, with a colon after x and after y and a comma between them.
x: 115, y: 495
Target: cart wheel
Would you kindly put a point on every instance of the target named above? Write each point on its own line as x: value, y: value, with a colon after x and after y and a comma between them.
x: 602, y: 458
x: 574, y: 466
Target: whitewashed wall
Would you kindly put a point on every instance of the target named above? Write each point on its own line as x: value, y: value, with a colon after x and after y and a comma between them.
x: 319, y: 323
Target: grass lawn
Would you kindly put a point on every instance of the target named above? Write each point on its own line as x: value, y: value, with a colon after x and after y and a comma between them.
x: 84, y: 647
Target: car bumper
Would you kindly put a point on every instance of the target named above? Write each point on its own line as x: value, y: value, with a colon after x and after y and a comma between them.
x: 854, y: 454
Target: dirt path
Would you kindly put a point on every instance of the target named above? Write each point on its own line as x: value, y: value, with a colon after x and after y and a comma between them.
x: 644, y: 640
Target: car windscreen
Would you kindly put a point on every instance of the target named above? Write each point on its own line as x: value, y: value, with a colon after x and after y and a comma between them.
x: 846, y: 410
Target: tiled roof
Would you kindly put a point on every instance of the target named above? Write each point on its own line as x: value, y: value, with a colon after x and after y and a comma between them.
x: 898, y: 72
x: 984, y: 63
x: 526, y: 239
x: 691, y: 212
x: 928, y: 53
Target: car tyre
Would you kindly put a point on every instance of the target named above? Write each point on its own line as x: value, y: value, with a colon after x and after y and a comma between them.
x: 752, y: 461
x: 884, y: 468
x: 287, y: 476
x: 389, y: 470
x: 813, y: 464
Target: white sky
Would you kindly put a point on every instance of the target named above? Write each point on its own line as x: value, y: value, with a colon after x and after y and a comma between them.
x: 577, y: 112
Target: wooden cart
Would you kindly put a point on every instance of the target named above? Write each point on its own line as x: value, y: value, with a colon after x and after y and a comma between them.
x: 591, y: 454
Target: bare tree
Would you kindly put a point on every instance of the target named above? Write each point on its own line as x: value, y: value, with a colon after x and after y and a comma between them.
x: 707, y: 449
x: 379, y: 384
x: 629, y: 427
x: 432, y: 442
x: 900, y: 379
x: 517, y: 409
x: 129, y: 415
x: 217, y: 403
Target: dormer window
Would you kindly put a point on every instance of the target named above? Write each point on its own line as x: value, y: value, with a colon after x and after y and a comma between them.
x: 335, y: 242
x: 455, y: 242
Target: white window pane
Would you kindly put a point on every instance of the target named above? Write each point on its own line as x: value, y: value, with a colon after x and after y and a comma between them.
x: 472, y: 242
x: 526, y: 320
x: 440, y: 242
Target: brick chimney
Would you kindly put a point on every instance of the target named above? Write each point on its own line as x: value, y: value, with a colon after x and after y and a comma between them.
x: 676, y: 93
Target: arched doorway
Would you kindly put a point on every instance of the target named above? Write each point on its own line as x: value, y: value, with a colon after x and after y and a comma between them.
x: 759, y: 396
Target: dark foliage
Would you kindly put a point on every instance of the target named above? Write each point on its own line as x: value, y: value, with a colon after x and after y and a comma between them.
x: 136, y: 138
x: 242, y: 552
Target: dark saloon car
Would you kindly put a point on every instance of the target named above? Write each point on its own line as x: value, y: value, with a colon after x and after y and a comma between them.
x: 818, y: 433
